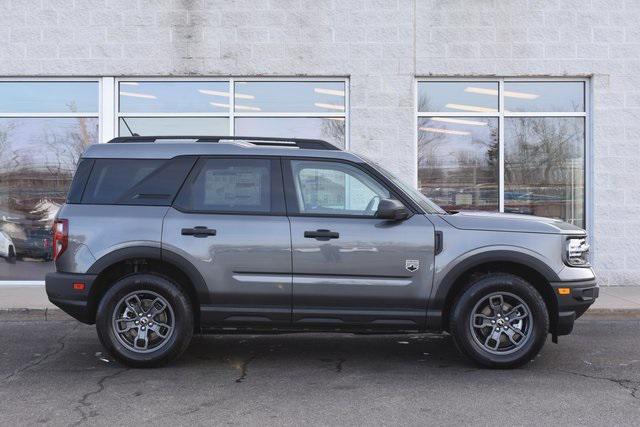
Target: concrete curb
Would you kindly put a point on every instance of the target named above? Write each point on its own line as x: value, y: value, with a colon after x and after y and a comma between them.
x: 54, y: 314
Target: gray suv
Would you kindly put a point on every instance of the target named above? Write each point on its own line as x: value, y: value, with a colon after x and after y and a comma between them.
x: 162, y: 237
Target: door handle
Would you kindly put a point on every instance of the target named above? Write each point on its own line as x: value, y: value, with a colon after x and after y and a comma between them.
x: 199, y: 231
x: 322, y: 234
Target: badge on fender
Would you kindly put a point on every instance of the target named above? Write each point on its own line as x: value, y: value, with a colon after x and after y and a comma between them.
x: 412, y: 265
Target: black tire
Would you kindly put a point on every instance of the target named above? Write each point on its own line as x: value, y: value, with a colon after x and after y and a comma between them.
x: 181, y: 313
x: 486, y: 288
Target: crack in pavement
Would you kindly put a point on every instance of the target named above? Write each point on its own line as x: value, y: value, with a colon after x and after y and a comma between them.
x: 633, y: 387
x: 83, y: 401
x: 244, y: 368
x: 60, y: 343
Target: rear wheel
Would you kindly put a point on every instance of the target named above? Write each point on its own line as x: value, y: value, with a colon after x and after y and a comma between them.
x: 500, y: 321
x: 145, y: 320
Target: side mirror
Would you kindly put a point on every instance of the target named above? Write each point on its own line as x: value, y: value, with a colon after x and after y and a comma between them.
x: 392, y: 209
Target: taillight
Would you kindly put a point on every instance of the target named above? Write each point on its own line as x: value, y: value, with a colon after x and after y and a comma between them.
x: 60, y: 237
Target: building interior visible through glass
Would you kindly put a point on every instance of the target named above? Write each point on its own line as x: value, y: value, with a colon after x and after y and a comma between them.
x: 543, y: 128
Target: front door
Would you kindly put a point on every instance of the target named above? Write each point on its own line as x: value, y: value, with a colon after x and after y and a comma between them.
x: 229, y: 222
x: 349, y: 267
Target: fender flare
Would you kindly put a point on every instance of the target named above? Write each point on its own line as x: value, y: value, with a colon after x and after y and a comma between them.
x: 438, y: 298
x: 156, y: 253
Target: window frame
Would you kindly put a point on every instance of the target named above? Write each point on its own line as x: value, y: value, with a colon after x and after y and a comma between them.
x: 501, y: 115
x: 231, y: 114
x: 276, y: 187
x: 93, y: 114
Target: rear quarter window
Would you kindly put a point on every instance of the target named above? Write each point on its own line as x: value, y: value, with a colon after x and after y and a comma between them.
x: 79, y: 181
x: 150, y: 182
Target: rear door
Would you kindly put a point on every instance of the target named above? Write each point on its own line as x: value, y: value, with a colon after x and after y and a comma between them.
x: 229, y: 221
x: 349, y: 267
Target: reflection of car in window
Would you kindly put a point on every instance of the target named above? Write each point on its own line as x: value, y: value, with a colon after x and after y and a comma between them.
x: 7, y: 248
x: 36, y: 244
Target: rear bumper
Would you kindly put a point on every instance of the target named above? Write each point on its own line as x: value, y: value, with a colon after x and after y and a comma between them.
x: 74, y: 302
x: 573, y: 305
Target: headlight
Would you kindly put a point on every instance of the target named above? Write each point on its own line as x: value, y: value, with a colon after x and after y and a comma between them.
x: 577, y: 252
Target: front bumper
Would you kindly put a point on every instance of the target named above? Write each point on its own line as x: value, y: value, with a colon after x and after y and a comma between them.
x: 74, y: 302
x: 573, y: 305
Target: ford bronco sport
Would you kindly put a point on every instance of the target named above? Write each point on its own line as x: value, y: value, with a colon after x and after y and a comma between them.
x: 162, y: 237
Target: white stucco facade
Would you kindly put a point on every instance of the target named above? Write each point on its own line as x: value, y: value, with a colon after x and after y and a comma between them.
x: 380, y: 48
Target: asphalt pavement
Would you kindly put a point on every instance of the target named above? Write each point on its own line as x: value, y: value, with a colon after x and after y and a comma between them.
x: 56, y: 373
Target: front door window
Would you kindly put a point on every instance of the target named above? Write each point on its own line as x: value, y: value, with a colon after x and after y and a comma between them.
x: 333, y: 188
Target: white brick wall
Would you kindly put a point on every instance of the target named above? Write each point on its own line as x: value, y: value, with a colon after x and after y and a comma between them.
x: 381, y: 45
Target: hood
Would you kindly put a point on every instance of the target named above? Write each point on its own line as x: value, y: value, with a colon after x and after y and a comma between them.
x: 493, y: 221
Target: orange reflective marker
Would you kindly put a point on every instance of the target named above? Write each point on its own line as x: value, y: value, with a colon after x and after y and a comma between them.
x: 564, y: 291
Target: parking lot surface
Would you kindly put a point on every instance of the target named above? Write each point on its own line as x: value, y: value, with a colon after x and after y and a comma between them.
x: 54, y: 372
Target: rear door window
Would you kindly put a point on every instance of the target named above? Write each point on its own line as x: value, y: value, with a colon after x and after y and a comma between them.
x: 233, y: 185
x: 151, y: 182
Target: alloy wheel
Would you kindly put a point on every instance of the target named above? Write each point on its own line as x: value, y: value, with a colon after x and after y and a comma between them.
x: 501, y: 323
x: 143, y: 321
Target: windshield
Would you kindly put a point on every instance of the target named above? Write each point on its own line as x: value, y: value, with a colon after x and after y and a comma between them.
x: 417, y: 197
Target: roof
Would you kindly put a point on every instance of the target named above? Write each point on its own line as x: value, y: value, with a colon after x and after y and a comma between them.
x: 168, y: 147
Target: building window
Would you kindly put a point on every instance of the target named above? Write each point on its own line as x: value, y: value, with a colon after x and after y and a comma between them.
x: 45, y: 125
x: 278, y: 108
x: 504, y: 145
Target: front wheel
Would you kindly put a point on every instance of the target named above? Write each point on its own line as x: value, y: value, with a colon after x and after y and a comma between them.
x: 500, y: 321
x: 145, y: 320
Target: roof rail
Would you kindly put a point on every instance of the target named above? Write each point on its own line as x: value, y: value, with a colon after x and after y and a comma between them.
x: 302, y: 143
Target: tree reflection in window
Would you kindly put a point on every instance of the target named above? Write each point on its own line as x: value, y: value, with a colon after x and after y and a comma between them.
x: 458, y: 162
x: 38, y: 157
x: 544, y: 167
x: 542, y: 125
